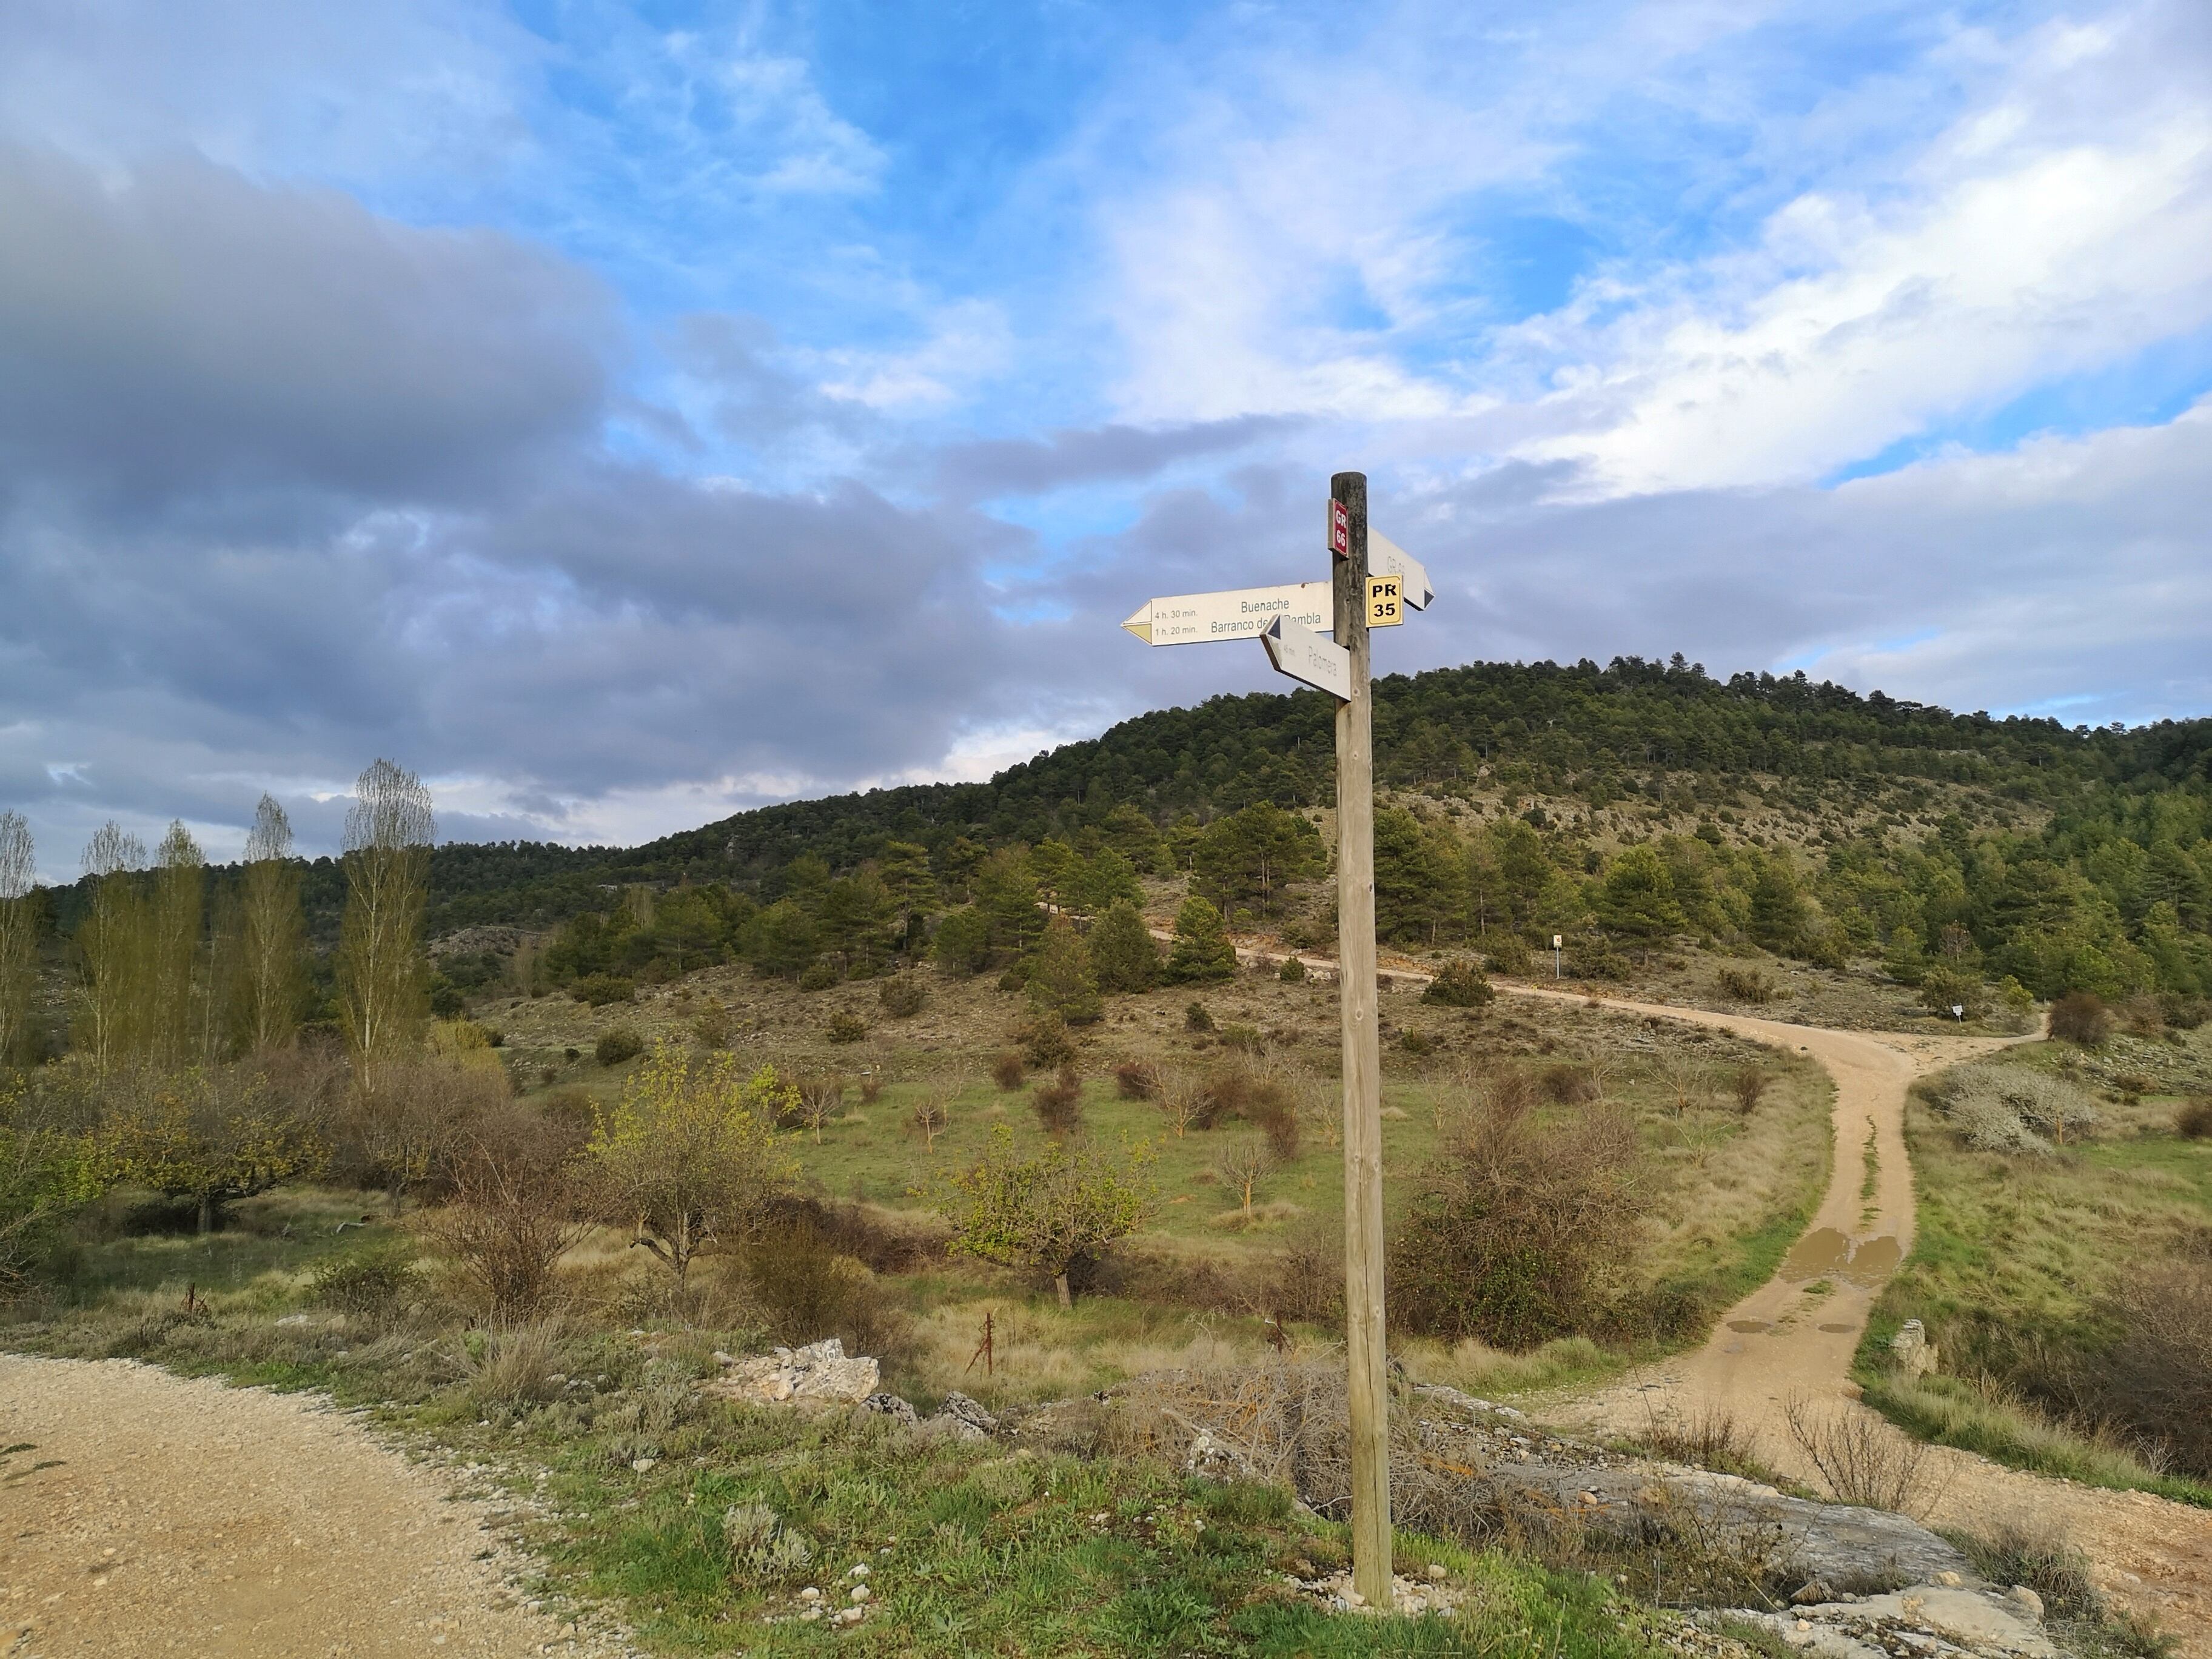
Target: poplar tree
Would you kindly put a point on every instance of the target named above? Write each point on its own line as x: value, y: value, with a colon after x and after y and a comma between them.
x: 19, y: 924
x: 271, y: 934
x: 383, y: 982
x: 174, y: 948
x: 111, y: 947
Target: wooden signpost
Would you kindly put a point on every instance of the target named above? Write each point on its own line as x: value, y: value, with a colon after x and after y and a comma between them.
x: 1289, y: 621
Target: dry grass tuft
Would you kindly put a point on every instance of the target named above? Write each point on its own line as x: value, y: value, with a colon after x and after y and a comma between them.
x: 1866, y: 1462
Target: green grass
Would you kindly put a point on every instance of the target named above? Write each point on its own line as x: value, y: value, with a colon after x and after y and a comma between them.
x: 2015, y: 1254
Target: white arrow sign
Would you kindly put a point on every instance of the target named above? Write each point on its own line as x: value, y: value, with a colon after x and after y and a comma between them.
x: 1237, y: 613
x: 1304, y: 656
x: 1386, y: 558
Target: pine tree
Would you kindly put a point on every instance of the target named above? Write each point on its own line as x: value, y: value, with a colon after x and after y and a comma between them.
x: 1123, y: 954
x: 1060, y: 980
x: 1202, y: 951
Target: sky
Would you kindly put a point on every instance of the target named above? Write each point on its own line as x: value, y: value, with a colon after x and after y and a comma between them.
x: 625, y: 415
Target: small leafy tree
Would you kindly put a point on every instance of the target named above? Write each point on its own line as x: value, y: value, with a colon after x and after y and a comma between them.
x: 1942, y: 989
x: 47, y: 1175
x: 1062, y: 1204
x: 1202, y: 951
x: 209, y: 1135
x: 1124, y: 956
x: 687, y: 1158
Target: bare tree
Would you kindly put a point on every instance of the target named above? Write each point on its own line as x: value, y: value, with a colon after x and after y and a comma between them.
x: 19, y: 923
x: 272, y: 933
x: 933, y: 1113
x: 111, y: 944
x: 1242, y: 1163
x: 1181, y: 1098
x: 1689, y: 1079
x: 382, y: 973
x: 173, y: 985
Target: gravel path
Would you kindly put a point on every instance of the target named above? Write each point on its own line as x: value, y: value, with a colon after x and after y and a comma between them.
x: 147, y: 1513
x: 1781, y: 1343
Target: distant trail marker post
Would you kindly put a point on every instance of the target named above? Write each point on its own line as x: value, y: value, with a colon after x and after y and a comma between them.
x: 1287, y: 620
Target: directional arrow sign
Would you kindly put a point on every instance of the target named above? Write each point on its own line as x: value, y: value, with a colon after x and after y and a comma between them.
x: 1386, y: 558
x: 1237, y: 613
x: 1302, y: 654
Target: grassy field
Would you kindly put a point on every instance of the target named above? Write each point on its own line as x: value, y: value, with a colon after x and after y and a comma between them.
x: 630, y: 1486
x: 2014, y: 1267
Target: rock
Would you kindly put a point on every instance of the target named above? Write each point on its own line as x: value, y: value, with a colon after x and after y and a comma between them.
x: 860, y: 1594
x: 1949, y: 1580
x: 1216, y: 1459
x: 1811, y: 1593
x: 2026, y: 1600
x: 1914, y: 1355
x: 1437, y: 1573
x: 959, y: 1404
x: 890, y: 1406
x: 819, y: 1371
x: 809, y: 1593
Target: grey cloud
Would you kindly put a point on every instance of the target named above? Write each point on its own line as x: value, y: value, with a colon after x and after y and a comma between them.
x: 185, y: 328
x: 1090, y: 455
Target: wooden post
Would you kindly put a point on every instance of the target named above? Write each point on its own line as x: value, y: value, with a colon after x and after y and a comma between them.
x: 1364, y: 1356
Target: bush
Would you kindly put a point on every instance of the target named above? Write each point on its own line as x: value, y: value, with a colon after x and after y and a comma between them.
x: 1568, y: 1085
x: 616, y: 1046
x: 714, y: 1028
x: 1137, y: 1080
x: 1123, y: 953
x: 600, y: 989
x: 2081, y: 1018
x: 1235, y: 1095
x: 515, y: 1212
x: 1007, y: 1070
x: 1045, y: 1041
x: 846, y: 1027
x: 1519, y: 1231
x: 810, y: 1289
x: 1745, y: 985
x: 2161, y: 1374
x: 1420, y: 1044
x: 1293, y: 972
x: 1059, y: 1103
x: 373, y: 1282
x: 1509, y: 954
x: 820, y: 975
x: 1749, y: 1087
x: 1195, y: 1018
x: 1244, y: 1039
x: 1942, y: 989
x: 902, y: 995
x: 1201, y: 952
x: 1461, y: 985
x: 2193, y: 1121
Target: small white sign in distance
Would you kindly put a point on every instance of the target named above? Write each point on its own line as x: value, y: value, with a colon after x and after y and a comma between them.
x: 1386, y: 558
x: 1237, y: 613
x: 1304, y: 656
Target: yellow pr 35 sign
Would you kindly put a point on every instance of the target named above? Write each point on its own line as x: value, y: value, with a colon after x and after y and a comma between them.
x: 1384, y: 607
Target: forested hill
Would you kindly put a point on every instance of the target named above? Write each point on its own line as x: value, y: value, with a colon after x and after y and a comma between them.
x: 1596, y: 735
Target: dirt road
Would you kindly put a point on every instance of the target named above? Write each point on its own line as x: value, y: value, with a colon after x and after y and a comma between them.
x: 144, y: 1514
x: 1794, y: 1338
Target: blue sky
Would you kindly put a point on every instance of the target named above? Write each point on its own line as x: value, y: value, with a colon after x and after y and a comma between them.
x: 625, y: 414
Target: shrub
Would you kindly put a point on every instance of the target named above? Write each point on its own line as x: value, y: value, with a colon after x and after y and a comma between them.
x: 820, y: 975
x: 600, y: 989
x: 902, y: 995
x: 1509, y: 954
x: 1137, y: 1080
x: 1944, y: 989
x: 714, y: 1028
x: 1045, y: 1041
x: 872, y: 1087
x: 371, y: 1282
x: 1865, y: 1460
x: 1461, y: 985
x: 2193, y: 1121
x: 1007, y: 1070
x: 2161, y: 1374
x: 1123, y: 953
x: 2185, y: 1013
x: 515, y: 1211
x: 810, y: 1289
x: 1244, y: 1039
x: 1420, y: 1044
x: 2081, y: 1018
x: 763, y: 1547
x: 616, y: 1046
x: 1568, y: 1085
x: 1745, y: 985
x: 845, y: 1027
x: 1293, y: 972
x: 1195, y: 1018
x: 1749, y: 1087
x: 1519, y: 1231
x: 1059, y: 1103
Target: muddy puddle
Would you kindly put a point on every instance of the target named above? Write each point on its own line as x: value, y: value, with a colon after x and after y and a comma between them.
x: 1751, y: 1325
x: 1828, y: 1252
